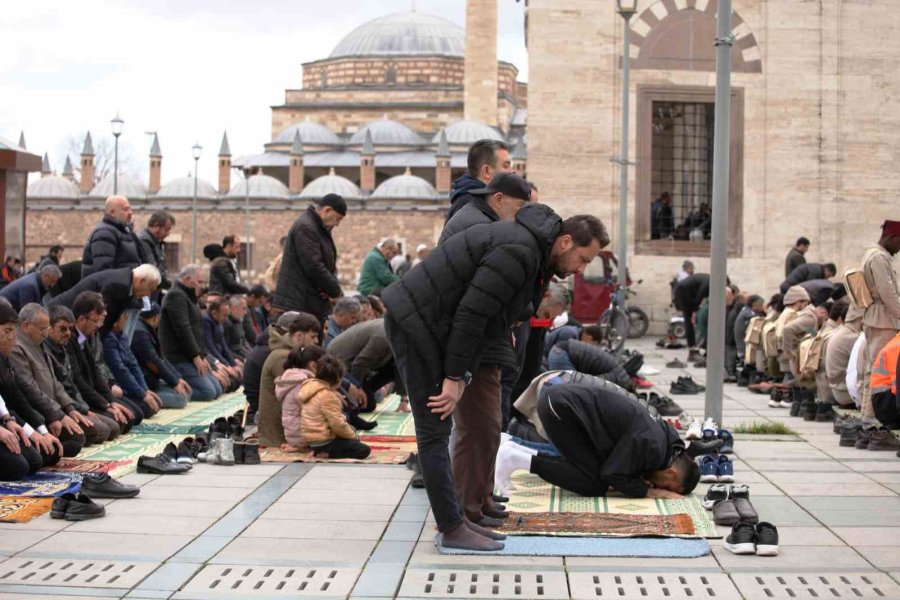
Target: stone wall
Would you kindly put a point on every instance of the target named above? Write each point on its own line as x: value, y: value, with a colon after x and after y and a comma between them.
x: 819, y: 152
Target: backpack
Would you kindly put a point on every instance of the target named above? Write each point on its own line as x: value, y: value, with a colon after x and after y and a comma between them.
x: 769, y: 341
x: 855, y: 283
x: 810, y: 355
x: 754, y: 331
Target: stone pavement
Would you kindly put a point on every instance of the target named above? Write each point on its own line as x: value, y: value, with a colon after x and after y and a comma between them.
x: 359, y: 531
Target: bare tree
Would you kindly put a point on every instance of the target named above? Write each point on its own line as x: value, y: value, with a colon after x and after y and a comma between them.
x: 104, y: 156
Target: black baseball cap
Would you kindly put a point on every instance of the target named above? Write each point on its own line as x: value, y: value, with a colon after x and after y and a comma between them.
x: 335, y: 201
x: 508, y: 184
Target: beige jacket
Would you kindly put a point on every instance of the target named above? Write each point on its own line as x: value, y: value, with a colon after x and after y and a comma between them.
x: 528, y: 401
x: 837, y: 356
x: 805, y: 322
x: 878, y: 270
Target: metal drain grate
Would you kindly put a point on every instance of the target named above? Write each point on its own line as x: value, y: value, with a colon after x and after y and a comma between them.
x: 76, y: 573
x: 428, y: 583
x: 830, y: 586
x: 670, y: 586
x: 240, y: 581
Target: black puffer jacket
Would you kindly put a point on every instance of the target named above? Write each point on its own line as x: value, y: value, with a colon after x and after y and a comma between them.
x: 459, y: 193
x: 594, y: 360
x: 308, y: 275
x: 155, y: 254
x: 111, y: 245
x: 691, y: 291
x: 115, y: 287
x: 805, y: 272
x: 470, y: 289
x: 181, y: 326
x: 475, y: 212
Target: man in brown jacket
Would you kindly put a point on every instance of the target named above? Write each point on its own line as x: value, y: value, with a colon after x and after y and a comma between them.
x: 882, y: 318
x: 805, y: 321
x: 837, y: 356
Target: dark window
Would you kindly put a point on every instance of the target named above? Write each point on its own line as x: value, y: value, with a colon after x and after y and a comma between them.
x: 247, y: 250
x: 172, y: 259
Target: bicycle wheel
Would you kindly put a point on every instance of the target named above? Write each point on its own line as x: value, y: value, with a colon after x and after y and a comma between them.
x: 616, y: 322
x: 638, y: 322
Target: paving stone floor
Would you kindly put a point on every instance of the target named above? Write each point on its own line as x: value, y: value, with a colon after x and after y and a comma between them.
x: 359, y: 531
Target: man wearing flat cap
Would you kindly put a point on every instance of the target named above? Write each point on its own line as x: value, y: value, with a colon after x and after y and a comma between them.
x: 882, y: 318
x: 308, y: 279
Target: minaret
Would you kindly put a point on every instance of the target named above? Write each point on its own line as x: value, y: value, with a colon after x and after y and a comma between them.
x: 155, y: 166
x: 87, y: 165
x: 224, y: 165
x: 480, y: 96
x: 442, y: 171
x: 46, y: 171
x: 295, y: 174
x: 367, y: 165
x: 68, y: 171
x: 22, y: 140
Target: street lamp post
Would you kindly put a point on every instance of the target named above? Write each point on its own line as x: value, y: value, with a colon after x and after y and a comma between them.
x: 247, y: 172
x: 626, y: 9
x: 116, y: 124
x: 195, y: 150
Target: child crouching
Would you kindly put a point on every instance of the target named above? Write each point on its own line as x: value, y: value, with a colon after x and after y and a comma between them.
x: 322, y: 421
x: 300, y: 367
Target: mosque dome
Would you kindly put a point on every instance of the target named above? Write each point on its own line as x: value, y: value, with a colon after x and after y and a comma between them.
x: 53, y: 186
x: 406, y: 187
x: 387, y: 133
x: 404, y: 34
x: 183, y: 187
x: 468, y: 132
x: 314, y: 134
x: 261, y: 186
x: 330, y: 184
x: 128, y: 185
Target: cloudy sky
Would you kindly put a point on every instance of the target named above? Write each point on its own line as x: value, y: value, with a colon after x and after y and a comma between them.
x: 188, y: 69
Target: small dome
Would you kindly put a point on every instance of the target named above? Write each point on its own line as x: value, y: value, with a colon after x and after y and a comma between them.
x: 387, y: 133
x: 313, y: 134
x: 468, y: 132
x: 183, y: 187
x: 406, y: 187
x: 404, y: 34
x: 261, y: 186
x: 53, y: 186
x: 330, y: 184
x: 128, y: 186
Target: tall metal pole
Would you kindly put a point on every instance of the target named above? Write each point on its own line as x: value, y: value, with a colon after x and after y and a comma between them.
x: 116, y: 167
x: 247, y: 218
x: 715, y: 345
x: 622, y: 245
x: 194, y: 217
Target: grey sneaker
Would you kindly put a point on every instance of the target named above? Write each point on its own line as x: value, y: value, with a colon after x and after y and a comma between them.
x: 863, y: 438
x: 884, y: 440
x: 222, y: 452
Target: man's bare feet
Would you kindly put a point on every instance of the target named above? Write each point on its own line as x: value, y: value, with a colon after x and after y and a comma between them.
x: 292, y: 449
x: 485, y: 532
x: 463, y: 538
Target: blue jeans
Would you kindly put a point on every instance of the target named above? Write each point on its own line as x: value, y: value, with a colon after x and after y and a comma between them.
x: 170, y: 398
x: 559, y: 360
x: 545, y: 449
x: 205, y: 387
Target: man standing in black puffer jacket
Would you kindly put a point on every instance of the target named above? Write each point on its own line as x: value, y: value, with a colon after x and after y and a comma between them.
x: 468, y: 291
x: 486, y: 158
x: 112, y: 243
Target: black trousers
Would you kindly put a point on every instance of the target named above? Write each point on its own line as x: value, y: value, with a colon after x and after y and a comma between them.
x: 886, y: 410
x: 579, y: 468
x: 689, y: 328
x: 380, y: 378
x: 340, y: 448
x: 16, y: 466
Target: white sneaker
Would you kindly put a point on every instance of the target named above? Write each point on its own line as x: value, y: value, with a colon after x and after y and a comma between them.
x: 710, y: 426
x: 694, y: 431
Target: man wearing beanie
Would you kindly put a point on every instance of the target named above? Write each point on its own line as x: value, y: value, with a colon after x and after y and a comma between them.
x: 308, y: 279
x: 805, y: 321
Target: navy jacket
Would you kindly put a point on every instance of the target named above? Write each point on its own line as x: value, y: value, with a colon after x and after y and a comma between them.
x: 124, y: 366
x: 214, y: 338
x: 145, y: 346
x: 24, y: 290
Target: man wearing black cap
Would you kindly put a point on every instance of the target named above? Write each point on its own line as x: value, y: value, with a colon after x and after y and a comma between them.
x: 308, y: 278
x: 478, y: 419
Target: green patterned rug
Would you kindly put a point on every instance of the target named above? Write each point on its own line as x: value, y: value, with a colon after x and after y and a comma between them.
x: 534, y: 495
x: 391, y: 423
x: 194, y: 417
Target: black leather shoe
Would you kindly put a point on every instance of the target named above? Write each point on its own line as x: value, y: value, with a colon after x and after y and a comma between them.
x: 60, y: 505
x: 101, y: 485
x: 417, y: 481
x: 83, y: 508
x: 160, y: 465
x: 251, y: 453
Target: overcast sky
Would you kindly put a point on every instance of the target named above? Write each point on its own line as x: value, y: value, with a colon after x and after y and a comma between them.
x: 188, y: 69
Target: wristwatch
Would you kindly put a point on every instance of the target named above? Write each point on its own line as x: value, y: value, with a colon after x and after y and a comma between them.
x: 466, y: 379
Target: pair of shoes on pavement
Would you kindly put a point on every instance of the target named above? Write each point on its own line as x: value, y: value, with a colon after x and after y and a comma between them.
x: 665, y: 406
x: 716, y: 468
x: 676, y: 364
x: 877, y: 440
x: 162, y: 464
x: 721, y: 492
x: 732, y: 510
x: 102, y: 485
x: 779, y: 398
x: 76, y: 507
x: 760, y: 539
x: 686, y: 385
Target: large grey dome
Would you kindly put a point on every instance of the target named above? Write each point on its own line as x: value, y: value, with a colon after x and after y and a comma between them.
x: 313, y: 134
x: 261, y: 186
x: 406, y: 187
x: 403, y: 34
x: 387, y: 133
x: 53, y: 186
x: 330, y: 184
x: 468, y: 132
x: 183, y: 187
x: 128, y: 185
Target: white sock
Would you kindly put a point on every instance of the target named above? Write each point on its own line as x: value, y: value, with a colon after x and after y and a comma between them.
x: 509, y: 460
x: 520, y: 447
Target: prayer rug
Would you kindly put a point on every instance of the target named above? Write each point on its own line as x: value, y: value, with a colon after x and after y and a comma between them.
x: 21, y: 509
x: 193, y: 418
x: 534, y: 495
x: 386, y: 450
x: 74, y: 465
x: 598, y: 524
x: 581, y: 546
x: 42, y: 484
x: 390, y: 422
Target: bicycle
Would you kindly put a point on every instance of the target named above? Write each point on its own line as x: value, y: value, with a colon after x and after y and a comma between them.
x: 618, y: 323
